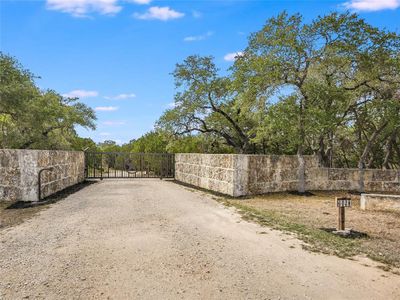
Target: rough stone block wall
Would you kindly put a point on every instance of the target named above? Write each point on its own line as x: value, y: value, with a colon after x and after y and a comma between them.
x: 240, y: 175
x: 19, y: 172
x: 380, y: 202
x: 331, y: 179
x: 215, y: 172
x: 276, y: 173
x: 382, y: 180
x: 375, y: 180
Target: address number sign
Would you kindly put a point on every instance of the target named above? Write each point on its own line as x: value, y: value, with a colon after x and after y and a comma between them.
x: 343, y: 202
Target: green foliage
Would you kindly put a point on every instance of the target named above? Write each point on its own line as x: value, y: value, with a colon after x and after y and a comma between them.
x: 162, y: 142
x: 197, y: 144
x: 152, y: 142
x: 329, y: 87
x: 108, y: 146
x: 340, y: 73
x: 35, y: 119
x: 204, y: 104
x: 84, y: 144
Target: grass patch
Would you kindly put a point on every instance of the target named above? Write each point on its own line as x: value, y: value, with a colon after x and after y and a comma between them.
x: 316, y: 240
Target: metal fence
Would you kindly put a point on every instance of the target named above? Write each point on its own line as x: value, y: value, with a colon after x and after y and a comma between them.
x: 129, y: 165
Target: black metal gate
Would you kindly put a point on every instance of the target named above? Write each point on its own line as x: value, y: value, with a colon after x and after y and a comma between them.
x: 129, y: 165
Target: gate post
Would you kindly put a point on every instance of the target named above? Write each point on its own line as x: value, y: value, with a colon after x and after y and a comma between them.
x: 173, y: 165
x: 101, y: 166
x: 161, y: 166
x: 85, y: 160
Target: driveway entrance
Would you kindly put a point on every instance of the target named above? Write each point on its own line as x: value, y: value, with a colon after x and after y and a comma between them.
x: 153, y: 239
x: 129, y: 165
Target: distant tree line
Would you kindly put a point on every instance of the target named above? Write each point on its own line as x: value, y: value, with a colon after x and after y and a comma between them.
x: 158, y: 141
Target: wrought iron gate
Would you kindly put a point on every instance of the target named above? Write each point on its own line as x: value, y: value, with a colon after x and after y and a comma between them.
x: 129, y: 165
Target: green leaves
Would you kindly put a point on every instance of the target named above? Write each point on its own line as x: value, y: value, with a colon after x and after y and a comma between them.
x: 31, y: 118
x: 323, y: 87
x: 204, y: 103
x: 327, y: 69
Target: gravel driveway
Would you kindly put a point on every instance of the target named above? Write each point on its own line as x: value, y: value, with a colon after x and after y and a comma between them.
x: 152, y: 239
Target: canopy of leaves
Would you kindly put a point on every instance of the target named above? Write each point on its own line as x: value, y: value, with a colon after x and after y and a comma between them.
x: 205, y: 103
x: 329, y: 87
x: 35, y: 119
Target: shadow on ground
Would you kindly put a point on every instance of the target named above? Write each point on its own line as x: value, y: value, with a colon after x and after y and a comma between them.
x: 52, y: 198
x: 352, y: 234
x: 12, y: 214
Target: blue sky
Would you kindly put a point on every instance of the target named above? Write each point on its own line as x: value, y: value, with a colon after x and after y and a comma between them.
x: 117, y: 55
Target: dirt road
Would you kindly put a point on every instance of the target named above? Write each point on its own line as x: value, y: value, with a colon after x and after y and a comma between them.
x: 152, y: 239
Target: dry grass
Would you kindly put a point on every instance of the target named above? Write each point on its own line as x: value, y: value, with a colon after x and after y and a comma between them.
x: 313, y: 217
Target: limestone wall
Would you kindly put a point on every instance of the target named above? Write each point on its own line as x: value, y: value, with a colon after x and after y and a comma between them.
x: 215, y: 172
x: 276, y: 173
x: 19, y: 172
x: 239, y: 175
x: 375, y: 180
x: 380, y: 202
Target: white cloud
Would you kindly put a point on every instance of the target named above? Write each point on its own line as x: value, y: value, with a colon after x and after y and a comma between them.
x: 201, y: 37
x: 159, y: 13
x: 140, y: 1
x: 80, y: 8
x: 120, y: 96
x: 371, y: 5
x: 106, y: 108
x: 232, y: 56
x: 81, y: 94
x: 114, y: 123
x: 104, y: 134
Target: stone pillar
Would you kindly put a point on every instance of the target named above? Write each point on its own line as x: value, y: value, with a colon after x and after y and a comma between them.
x: 361, y: 175
x: 241, y: 175
x: 301, y: 174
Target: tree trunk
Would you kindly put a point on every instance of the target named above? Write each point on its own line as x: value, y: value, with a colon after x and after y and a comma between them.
x: 330, y: 150
x: 346, y: 161
x: 370, y: 161
x: 397, y: 149
x: 371, y: 141
x: 363, y: 157
x: 321, y: 152
x: 388, y: 150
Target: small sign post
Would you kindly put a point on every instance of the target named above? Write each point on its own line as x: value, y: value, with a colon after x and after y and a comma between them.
x: 342, y: 203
